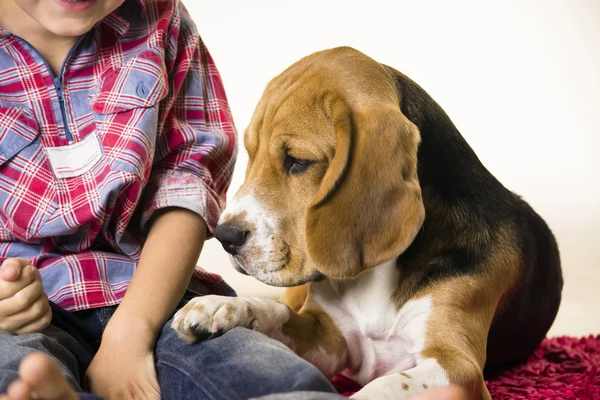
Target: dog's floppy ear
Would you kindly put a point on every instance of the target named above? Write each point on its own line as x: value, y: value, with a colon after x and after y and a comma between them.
x: 368, y: 208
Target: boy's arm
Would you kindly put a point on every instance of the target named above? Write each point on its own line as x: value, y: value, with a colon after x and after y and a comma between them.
x: 192, y: 168
x: 124, y: 367
x: 164, y: 271
x: 193, y: 163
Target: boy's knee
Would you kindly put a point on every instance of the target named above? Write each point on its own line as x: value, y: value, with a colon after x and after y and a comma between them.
x: 270, y: 362
x: 260, y: 364
x: 13, y: 348
x: 309, y: 378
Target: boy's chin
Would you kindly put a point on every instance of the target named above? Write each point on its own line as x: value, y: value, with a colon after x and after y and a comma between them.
x: 69, y: 28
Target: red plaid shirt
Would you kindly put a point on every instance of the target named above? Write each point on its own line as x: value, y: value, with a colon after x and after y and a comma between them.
x: 136, y: 121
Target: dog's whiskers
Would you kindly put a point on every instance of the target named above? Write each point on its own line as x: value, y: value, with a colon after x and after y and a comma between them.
x: 297, y: 248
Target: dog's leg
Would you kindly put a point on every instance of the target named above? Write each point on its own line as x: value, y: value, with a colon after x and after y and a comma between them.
x: 310, y: 333
x: 453, y: 343
x: 428, y: 374
x: 452, y: 348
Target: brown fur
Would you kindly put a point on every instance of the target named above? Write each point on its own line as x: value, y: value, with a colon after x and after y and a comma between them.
x: 364, y: 176
x: 295, y: 297
x: 464, y: 308
x: 312, y: 330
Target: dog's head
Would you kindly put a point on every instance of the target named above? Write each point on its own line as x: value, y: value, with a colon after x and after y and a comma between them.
x: 331, y: 185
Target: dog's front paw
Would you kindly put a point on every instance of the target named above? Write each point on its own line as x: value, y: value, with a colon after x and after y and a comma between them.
x: 389, y: 387
x: 211, y: 314
x: 378, y: 393
x: 219, y: 314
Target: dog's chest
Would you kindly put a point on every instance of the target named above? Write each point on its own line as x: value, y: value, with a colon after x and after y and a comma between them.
x: 380, y: 338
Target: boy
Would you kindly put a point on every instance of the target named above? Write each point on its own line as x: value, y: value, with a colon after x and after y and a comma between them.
x: 116, y: 150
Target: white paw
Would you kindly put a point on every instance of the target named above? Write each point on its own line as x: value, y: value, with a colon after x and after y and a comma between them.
x: 391, y: 387
x: 428, y: 374
x: 219, y: 314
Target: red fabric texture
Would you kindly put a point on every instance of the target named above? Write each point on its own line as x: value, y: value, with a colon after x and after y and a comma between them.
x: 561, y: 368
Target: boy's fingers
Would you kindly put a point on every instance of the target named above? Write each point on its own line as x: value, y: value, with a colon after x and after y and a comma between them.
x: 11, y: 269
x: 9, y: 273
x: 37, y: 320
x: 23, y: 300
x: 17, y: 262
x: 37, y: 325
x: 28, y: 275
x: 35, y: 273
x: 32, y: 309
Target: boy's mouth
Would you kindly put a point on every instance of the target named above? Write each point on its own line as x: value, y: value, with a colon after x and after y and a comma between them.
x: 76, y: 5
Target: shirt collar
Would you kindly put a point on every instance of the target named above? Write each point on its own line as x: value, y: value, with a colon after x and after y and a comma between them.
x: 119, y: 19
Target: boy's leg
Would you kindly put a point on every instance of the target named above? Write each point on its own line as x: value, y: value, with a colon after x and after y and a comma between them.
x: 41, y: 377
x: 52, y: 342
x: 61, y: 341
x: 237, y: 365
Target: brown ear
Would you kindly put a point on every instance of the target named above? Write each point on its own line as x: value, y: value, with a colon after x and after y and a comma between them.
x: 368, y: 208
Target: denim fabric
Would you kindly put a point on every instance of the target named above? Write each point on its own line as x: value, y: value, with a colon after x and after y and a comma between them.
x: 240, y: 364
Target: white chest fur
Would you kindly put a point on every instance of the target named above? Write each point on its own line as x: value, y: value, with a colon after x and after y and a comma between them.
x: 381, y: 339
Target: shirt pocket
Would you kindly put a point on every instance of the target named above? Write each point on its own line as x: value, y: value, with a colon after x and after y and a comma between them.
x: 28, y: 196
x: 126, y: 106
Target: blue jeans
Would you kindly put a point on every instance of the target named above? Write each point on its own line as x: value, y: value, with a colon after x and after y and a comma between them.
x: 240, y: 364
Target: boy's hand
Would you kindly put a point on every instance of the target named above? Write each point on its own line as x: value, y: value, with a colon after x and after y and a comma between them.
x: 123, y: 367
x: 24, y: 306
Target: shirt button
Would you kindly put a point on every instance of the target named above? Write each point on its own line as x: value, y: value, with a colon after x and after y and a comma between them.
x: 141, y: 89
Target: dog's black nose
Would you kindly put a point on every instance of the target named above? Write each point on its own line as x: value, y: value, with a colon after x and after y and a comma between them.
x: 231, y: 237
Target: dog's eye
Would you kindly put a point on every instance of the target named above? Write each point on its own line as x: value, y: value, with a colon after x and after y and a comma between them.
x: 295, y: 166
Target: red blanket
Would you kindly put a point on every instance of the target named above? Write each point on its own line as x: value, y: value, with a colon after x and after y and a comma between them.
x: 561, y: 368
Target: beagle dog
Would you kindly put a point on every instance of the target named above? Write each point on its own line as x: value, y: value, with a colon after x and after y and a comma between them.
x: 410, y: 265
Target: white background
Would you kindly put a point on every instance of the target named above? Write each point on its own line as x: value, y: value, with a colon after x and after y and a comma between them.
x: 520, y: 79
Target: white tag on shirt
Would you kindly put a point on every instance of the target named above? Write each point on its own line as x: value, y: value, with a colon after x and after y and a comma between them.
x: 75, y: 159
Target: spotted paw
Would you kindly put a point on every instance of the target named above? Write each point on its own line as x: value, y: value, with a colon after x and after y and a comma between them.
x: 219, y: 314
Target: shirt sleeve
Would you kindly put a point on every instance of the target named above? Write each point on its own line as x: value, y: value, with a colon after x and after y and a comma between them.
x: 196, y: 145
